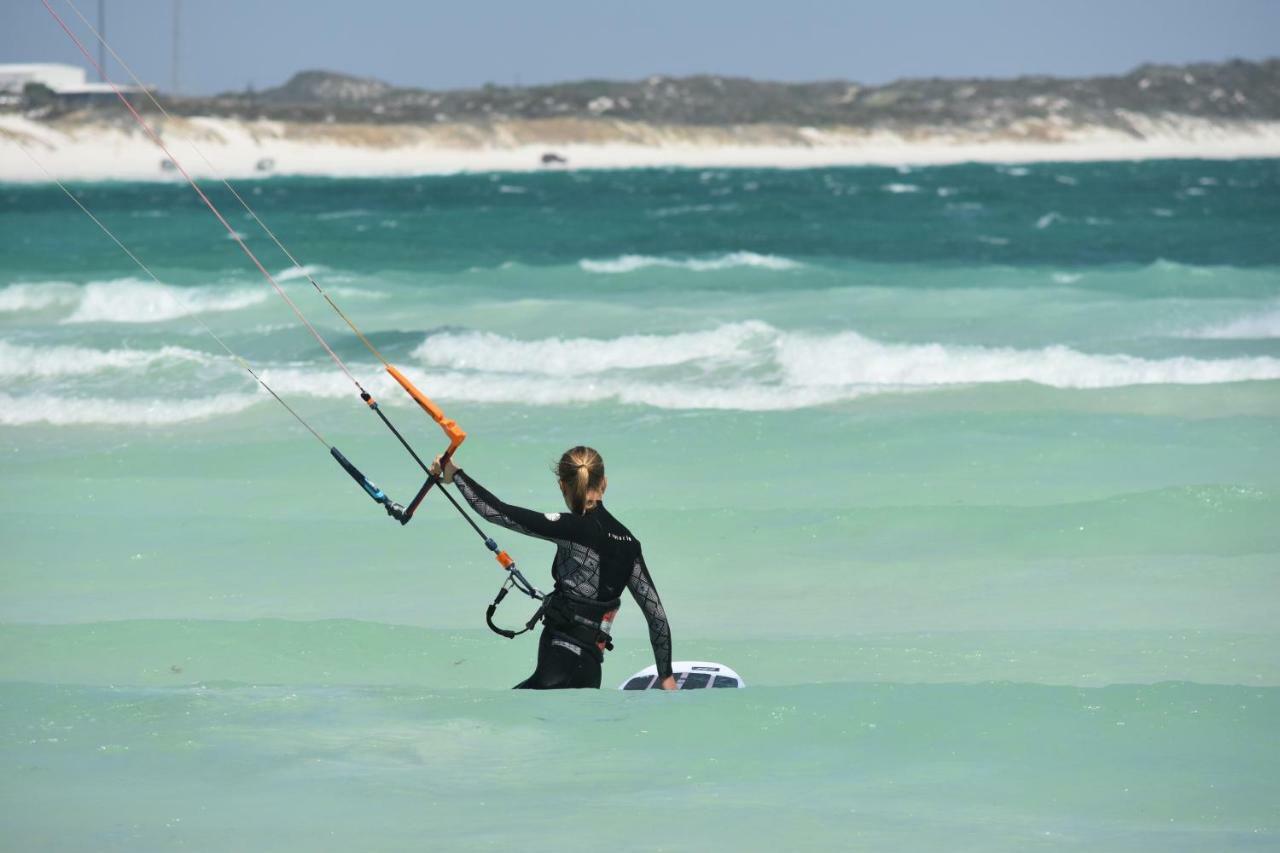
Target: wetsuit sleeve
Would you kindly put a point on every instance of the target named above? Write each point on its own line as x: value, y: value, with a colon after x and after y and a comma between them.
x: 646, y: 595
x: 555, y: 526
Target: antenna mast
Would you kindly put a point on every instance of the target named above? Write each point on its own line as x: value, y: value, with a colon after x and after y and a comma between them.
x: 102, y: 45
x: 177, y: 32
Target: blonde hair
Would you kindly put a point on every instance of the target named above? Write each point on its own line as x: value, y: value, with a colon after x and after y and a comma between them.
x: 581, y: 469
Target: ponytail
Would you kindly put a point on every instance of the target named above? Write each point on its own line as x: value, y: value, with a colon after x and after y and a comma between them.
x: 581, y: 470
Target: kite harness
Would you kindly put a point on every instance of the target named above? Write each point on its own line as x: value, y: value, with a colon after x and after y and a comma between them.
x: 401, y: 513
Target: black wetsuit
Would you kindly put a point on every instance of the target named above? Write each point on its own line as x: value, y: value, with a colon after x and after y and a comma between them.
x: 595, y: 558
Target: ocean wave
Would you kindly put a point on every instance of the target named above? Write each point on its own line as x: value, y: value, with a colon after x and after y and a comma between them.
x: 805, y: 360
x: 749, y: 366
x: 37, y: 296
x: 26, y: 410
x: 733, y: 260
x: 304, y: 271
x: 771, y: 370
x: 1253, y: 327
x: 848, y: 358
x: 356, y: 293
x: 752, y: 365
x: 578, y: 356
x: 131, y: 300
x: 125, y: 300
x: 898, y: 189
x: 544, y: 390
x: 48, y: 362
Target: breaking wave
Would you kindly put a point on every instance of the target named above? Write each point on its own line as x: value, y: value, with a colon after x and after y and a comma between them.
x: 303, y: 271
x: 74, y: 411
x: 749, y: 366
x: 849, y: 358
x: 845, y: 358
x: 125, y: 300
x: 137, y: 300
x: 576, y: 356
x: 38, y: 296
x: 131, y: 300
x: 733, y: 260
x: 48, y: 362
x: 544, y: 390
x: 1254, y: 327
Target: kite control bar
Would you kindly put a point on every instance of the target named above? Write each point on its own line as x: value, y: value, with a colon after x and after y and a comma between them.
x: 451, y: 429
x: 455, y: 433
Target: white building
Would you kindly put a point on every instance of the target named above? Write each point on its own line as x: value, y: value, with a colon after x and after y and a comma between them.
x: 66, y: 81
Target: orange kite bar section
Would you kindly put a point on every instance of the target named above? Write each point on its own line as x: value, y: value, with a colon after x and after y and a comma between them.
x: 450, y: 427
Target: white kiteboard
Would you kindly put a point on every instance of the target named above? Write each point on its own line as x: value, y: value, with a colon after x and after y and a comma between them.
x: 689, y: 675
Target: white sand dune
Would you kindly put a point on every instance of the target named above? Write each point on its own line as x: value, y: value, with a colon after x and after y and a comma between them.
x: 87, y: 148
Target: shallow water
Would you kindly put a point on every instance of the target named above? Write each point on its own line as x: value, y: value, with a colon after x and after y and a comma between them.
x: 971, y: 472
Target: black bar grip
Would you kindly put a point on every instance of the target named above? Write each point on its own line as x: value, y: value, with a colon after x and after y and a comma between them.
x: 370, y: 489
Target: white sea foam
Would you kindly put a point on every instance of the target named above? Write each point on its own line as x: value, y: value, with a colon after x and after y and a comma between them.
x: 748, y: 366
x: 1253, y: 327
x: 125, y: 300
x: 47, y: 362
x: 753, y: 365
x: 631, y: 263
x: 901, y: 188
x: 1048, y: 219
x: 543, y: 390
x: 356, y: 293
x: 37, y: 296
x: 132, y: 300
x: 851, y: 359
x: 767, y: 370
x: 71, y: 411
x: 577, y: 356
x: 303, y: 271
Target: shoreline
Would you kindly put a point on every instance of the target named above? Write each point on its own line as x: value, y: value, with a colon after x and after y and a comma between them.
x: 87, y: 149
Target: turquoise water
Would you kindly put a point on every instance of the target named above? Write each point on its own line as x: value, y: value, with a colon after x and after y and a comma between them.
x: 971, y: 472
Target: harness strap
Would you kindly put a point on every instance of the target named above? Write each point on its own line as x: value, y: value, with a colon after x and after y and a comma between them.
x: 563, y: 615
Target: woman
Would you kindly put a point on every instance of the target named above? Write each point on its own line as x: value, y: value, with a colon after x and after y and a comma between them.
x: 595, y: 558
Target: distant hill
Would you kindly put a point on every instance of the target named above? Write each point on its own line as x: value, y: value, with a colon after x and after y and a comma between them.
x: 1235, y: 90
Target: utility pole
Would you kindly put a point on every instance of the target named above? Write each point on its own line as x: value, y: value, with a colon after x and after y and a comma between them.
x: 177, y: 32
x: 102, y: 43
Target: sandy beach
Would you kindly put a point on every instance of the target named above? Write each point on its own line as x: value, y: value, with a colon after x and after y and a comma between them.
x: 79, y: 148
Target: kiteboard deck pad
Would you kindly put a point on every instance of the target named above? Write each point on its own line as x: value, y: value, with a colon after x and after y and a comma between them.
x: 689, y: 675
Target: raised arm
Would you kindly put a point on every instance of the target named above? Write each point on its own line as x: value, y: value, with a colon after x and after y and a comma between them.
x: 646, y: 595
x: 553, y: 525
